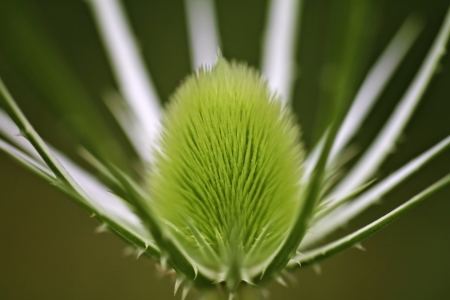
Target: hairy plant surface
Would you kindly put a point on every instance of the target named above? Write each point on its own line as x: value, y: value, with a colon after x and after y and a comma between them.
x: 226, y: 182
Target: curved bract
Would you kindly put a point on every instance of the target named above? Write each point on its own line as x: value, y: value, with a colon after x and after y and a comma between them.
x: 226, y: 181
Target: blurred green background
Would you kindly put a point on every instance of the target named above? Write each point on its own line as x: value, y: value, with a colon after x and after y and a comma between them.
x: 50, y: 54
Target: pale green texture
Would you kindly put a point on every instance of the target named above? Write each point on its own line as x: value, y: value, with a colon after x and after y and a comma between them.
x: 226, y: 181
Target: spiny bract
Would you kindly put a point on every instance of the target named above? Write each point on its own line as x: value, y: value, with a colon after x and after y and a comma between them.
x: 226, y: 180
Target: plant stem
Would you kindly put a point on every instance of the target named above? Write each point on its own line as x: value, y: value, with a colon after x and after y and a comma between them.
x: 244, y: 292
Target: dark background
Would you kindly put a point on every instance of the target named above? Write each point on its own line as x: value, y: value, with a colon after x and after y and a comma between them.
x: 48, y: 249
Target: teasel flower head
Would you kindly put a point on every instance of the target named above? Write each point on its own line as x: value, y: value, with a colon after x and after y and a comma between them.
x: 226, y: 183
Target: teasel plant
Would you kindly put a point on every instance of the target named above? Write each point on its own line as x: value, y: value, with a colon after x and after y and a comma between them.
x: 222, y: 194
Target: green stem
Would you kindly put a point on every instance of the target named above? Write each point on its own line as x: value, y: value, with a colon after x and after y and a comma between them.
x: 244, y: 292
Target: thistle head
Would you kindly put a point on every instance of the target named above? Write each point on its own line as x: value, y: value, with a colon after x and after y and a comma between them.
x: 226, y: 180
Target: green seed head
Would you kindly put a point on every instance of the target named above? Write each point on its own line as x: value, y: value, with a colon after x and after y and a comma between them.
x: 226, y: 181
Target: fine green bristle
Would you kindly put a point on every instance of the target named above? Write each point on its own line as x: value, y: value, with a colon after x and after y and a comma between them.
x: 226, y: 181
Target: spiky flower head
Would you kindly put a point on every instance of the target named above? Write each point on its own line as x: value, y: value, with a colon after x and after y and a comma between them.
x: 226, y: 181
